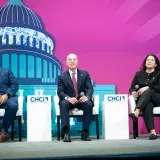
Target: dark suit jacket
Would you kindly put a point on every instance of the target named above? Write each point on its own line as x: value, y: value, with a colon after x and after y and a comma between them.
x: 8, y: 83
x: 65, y: 85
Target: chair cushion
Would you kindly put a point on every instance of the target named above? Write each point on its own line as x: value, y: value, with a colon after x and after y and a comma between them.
x: 80, y: 112
x: 156, y: 110
x: 19, y: 113
x: 75, y: 112
x: 2, y: 111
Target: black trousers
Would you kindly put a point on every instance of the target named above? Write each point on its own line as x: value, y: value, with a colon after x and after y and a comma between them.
x: 87, y: 108
x: 146, y: 102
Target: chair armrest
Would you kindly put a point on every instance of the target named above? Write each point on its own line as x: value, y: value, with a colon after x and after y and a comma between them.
x: 132, y: 103
x: 56, y: 105
x: 96, y: 104
x: 20, y: 105
x: 2, y: 111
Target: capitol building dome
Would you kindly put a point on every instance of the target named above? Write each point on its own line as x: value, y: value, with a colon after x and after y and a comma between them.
x: 25, y: 46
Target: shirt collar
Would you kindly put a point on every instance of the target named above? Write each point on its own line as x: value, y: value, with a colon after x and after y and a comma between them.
x: 70, y: 72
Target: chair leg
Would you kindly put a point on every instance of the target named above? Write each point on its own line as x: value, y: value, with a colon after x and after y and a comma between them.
x: 12, y: 131
x: 58, y: 128
x: 20, y: 128
x: 97, y: 126
x: 135, y: 128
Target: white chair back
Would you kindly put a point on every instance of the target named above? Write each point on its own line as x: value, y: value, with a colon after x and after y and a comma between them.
x: 132, y: 103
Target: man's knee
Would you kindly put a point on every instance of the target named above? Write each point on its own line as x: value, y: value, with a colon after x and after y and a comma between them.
x: 12, y: 106
x: 64, y: 103
x: 88, y: 104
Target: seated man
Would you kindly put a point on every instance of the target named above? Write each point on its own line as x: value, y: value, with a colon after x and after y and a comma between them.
x: 75, y: 91
x: 8, y: 100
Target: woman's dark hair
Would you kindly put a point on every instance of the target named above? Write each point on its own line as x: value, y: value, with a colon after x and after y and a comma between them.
x: 143, y: 67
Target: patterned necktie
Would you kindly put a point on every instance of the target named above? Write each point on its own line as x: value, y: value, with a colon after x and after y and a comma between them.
x: 75, y: 84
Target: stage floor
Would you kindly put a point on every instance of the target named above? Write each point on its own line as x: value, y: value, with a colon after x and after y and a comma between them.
x: 24, y: 149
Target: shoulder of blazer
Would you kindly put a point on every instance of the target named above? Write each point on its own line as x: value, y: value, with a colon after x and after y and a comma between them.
x: 82, y: 71
x: 63, y: 75
x: 141, y: 72
x: 4, y: 70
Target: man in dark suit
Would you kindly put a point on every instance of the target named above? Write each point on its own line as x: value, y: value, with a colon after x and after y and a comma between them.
x: 75, y: 91
x: 8, y: 100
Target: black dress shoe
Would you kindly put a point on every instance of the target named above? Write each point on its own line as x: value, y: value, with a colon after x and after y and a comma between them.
x: 67, y: 137
x: 65, y: 129
x: 153, y: 137
x: 85, y: 136
x: 132, y: 115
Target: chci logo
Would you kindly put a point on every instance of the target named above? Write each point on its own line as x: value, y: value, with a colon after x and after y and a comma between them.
x: 116, y: 98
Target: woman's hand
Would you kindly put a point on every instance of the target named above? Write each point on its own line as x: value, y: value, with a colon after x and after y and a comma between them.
x: 134, y: 94
x: 141, y: 90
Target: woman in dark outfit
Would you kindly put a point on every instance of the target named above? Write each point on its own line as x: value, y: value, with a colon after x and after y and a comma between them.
x: 145, y: 88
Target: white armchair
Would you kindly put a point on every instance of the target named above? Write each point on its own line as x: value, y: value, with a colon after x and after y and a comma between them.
x: 77, y: 113
x: 19, y: 116
x: 132, y: 105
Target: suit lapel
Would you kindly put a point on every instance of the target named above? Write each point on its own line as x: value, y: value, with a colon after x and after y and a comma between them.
x: 69, y: 80
x: 79, y: 78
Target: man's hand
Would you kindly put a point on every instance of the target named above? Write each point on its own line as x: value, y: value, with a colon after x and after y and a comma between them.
x: 141, y: 90
x: 72, y: 100
x: 83, y: 99
x: 3, y: 98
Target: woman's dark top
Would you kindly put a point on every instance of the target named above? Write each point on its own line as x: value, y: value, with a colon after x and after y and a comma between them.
x: 142, y: 79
